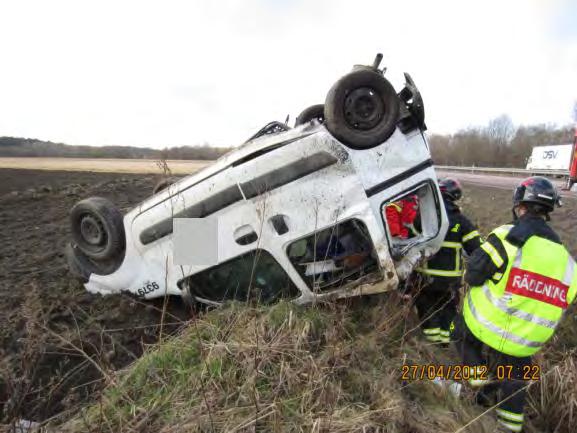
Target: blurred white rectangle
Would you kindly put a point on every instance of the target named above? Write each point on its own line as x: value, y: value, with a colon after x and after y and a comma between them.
x: 322, y: 266
x: 195, y: 241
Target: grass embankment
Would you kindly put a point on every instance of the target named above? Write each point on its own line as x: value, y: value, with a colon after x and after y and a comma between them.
x: 330, y: 368
x: 285, y: 368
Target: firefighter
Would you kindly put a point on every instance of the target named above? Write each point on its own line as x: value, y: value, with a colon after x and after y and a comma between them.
x: 440, y: 277
x: 401, y: 216
x: 521, y: 281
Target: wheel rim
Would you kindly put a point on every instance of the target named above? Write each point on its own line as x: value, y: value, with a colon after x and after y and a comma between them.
x: 363, y: 108
x: 92, y: 231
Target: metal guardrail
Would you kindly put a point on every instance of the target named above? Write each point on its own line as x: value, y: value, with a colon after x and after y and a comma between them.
x: 544, y: 172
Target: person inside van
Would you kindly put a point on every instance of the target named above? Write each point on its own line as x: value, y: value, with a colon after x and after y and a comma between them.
x: 401, y: 216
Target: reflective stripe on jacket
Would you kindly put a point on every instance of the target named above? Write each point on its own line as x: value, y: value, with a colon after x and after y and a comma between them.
x: 517, y: 311
x: 462, y: 234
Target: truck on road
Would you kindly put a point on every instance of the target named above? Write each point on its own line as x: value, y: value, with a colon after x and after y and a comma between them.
x: 557, y: 157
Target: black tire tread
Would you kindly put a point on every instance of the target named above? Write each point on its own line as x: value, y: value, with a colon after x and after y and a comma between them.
x: 113, y: 223
x: 310, y: 113
x: 163, y: 184
x: 82, y: 267
x: 334, y: 113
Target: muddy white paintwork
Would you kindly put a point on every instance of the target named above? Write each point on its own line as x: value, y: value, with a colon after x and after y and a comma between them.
x: 311, y: 203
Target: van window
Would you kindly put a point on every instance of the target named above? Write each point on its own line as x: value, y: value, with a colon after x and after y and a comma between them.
x: 412, y: 218
x: 254, y: 276
x: 332, y: 257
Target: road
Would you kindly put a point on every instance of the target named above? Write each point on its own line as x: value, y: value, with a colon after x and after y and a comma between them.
x: 496, y: 181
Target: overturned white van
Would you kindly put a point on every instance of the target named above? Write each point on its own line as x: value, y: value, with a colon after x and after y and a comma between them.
x: 300, y: 210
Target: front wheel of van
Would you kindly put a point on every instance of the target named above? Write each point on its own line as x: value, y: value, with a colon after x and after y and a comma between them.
x: 362, y: 109
x: 98, y: 229
x: 81, y: 267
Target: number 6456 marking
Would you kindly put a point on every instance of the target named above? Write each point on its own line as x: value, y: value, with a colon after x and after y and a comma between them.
x: 148, y: 288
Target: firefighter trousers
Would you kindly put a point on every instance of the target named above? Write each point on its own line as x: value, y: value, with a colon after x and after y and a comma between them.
x: 505, y: 385
x: 436, y: 304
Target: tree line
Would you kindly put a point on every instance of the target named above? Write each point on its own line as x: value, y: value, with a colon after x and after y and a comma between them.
x: 26, y: 147
x: 498, y: 144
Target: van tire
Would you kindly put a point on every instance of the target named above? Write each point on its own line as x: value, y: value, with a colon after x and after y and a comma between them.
x: 310, y: 113
x: 98, y: 229
x: 162, y: 184
x: 82, y: 267
x: 76, y: 265
x: 362, y: 109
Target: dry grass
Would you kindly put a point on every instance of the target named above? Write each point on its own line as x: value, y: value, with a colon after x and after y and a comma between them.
x: 325, y: 368
x: 285, y: 369
x: 103, y: 165
x: 553, y: 403
x: 20, y: 385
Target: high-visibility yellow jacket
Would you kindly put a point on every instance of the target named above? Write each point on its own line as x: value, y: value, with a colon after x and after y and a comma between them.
x: 517, y: 311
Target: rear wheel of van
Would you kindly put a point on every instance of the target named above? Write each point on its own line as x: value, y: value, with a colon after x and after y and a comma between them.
x: 162, y: 184
x: 314, y: 112
x: 98, y: 229
x: 362, y: 109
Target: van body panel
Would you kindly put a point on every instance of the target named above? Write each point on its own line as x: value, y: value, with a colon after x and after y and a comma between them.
x: 308, y: 202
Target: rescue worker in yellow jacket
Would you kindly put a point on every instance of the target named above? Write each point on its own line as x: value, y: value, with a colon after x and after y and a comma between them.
x: 521, y: 279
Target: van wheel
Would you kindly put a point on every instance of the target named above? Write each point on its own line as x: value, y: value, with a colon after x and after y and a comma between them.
x: 81, y: 267
x: 314, y: 112
x: 361, y: 109
x: 76, y: 265
x: 162, y: 184
x: 98, y: 229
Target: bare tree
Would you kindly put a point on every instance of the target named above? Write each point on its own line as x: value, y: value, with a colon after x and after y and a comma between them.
x: 498, y: 144
x: 501, y: 130
x: 11, y: 146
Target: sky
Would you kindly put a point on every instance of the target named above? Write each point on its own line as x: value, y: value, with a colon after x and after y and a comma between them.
x: 170, y: 73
